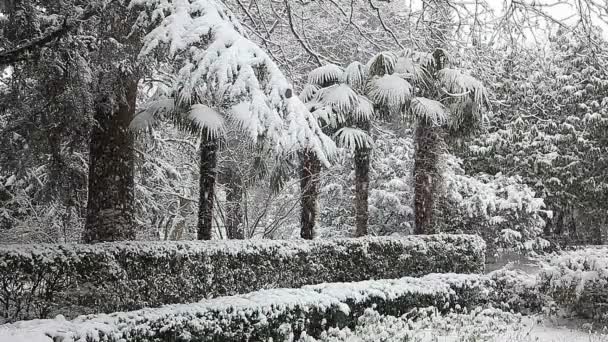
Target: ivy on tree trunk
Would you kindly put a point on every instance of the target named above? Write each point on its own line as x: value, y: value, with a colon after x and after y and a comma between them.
x: 362, y: 163
x: 110, y: 206
x: 426, y: 176
x: 309, y: 188
x: 234, y: 200
x: 208, y: 173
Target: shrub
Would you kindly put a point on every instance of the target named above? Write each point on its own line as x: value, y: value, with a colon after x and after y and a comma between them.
x: 265, y: 314
x: 578, y: 281
x: 42, y: 281
x: 516, y: 290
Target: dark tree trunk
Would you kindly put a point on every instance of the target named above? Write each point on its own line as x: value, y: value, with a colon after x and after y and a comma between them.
x: 309, y: 190
x: 110, y: 205
x: 426, y: 176
x: 208, y: 173
x: 234, y: 209
x: 362, y: 163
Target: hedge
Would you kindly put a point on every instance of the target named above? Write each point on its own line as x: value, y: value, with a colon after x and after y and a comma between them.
x: 263, y: 315
x: 41, y: 281
x: 578, y: 282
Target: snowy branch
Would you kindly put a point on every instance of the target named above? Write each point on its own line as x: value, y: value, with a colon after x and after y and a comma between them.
x: 27, y: 50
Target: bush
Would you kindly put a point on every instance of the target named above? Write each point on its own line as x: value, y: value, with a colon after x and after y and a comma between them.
x: 265, y: 314
x: 517, y: 291
x: 578, y: 281
x: 503, y: 210
x: 42, y: 281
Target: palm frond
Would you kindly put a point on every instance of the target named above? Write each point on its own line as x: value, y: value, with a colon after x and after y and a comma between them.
x: 328, y: 117
x: 429, y: 111
x: 390, y: 90
x: 353, y: 138
x: 355, y: 75
x: 308, y: 92
x: 408, y: 68
x: 153, y: 111
x: 325, y: 75
x: 340, y: 97
x: 462, y: 86
x: 364, y: 111
x: 207, y: 120
x: 382, y: 64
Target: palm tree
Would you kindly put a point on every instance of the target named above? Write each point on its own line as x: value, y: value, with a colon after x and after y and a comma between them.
x: 342, y: 112
x: 223, y: 76
x: 440, y: 100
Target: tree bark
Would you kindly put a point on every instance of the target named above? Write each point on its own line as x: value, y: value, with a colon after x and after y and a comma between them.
x: 426, y: 176
x: 110, y: 205
x: 208, y: 173
x: 234, y: 209
x: 310, y: 170
x: 362, y: 164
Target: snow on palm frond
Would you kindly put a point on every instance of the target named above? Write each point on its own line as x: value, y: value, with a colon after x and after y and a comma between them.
x: 382, y: 64
x: 340, y: 97
x: 304, y: 132
x: 152, y: 111
x: 407, y: 68
x: 390, y: 90
x: 329, y: 73
x: 220, y: 66
x: 462, y: 86
x: 353, y: 138
x: 328, y: 117
x: 355, y: 75
x: 423, y: 59
x: 364, y: 111
x: 430, y: 111
x: 207, y: 120
x: 308, y: 92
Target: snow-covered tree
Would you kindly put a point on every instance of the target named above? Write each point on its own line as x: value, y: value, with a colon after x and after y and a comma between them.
x: 550, y: 129
x: 440, y: 100
x: 222, y: 78
x: 333, y: 94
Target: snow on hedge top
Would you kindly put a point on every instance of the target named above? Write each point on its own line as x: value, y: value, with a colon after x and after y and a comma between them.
x: 212, y: 314
x: 46, y: 253
x: 204, y: 315
x: 222, y: 68
x: 575, y: 269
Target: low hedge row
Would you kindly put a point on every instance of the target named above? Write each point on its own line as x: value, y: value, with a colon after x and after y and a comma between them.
x: 578, y: 282
x: 263, y: 315
x: 40, y: 281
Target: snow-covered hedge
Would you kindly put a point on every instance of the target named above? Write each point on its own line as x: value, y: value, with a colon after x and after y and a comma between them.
x: 578, y: 281
x: 517, y: 291
x: 262, y: 315
x: 40, y: 281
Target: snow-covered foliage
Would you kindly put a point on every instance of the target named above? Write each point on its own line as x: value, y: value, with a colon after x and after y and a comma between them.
x: 266, y: 314
x: 219, y: 67
x: 390, y: 189
x: 506, y: 212
x: 481, y: 324
x: 578, y: 280
x: 551, y: 129
x: 80, y: 279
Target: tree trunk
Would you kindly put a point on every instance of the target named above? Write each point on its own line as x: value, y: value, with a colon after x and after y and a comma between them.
x: 207, y: 188
x: 309, y: 189
x: 234, y: 209
x: 426, y: 175
x: 362, y: 163
x: 110, y: 206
